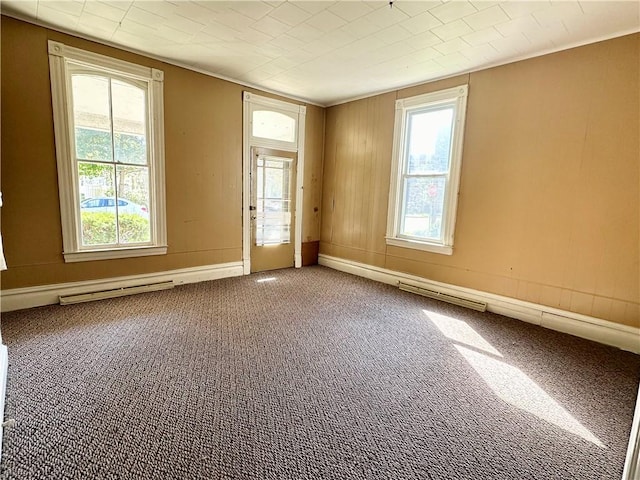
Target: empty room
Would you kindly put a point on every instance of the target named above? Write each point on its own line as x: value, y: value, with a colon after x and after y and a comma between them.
x: 309, y: 240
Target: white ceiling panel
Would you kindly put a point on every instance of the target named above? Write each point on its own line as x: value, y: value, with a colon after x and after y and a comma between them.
x: 327, y: 52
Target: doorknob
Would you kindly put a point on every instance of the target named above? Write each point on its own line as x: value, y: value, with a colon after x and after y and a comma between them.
x: 252, y: 207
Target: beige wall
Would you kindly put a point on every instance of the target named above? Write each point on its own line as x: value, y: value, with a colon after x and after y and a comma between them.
x: 203, y: 130
x: 549, y: 199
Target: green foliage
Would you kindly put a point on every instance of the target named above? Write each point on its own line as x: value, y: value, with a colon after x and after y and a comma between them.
x: 92, y: 144
x: 99, y: 228
x: 130, y: 148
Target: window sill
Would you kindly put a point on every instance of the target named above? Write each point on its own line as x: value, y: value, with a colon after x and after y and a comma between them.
x: 416, y: 245
x: 91, y: 255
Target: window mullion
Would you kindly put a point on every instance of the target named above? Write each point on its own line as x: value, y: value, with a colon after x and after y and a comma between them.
x: 116, y: 195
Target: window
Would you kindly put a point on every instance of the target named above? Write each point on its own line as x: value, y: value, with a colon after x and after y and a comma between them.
x: 272, y: 125
x: 427, y: 152
x: 108, y: 117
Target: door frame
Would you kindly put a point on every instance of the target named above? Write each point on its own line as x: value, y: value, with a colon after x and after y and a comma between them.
x: 298, y: 112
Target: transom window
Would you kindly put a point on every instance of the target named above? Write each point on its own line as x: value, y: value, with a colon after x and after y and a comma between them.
x: 426, y: 170
x: 272, y: 125
x: 109, y: 141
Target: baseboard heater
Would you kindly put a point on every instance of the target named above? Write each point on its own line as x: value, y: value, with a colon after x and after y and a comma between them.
x: 116, y: 292
x: 445, y: 297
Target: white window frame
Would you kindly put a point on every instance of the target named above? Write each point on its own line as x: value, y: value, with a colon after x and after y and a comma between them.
x: 63, y: 60
x: 405, y: 106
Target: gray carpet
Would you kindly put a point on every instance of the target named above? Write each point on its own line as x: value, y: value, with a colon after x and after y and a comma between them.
x: 314, y: 375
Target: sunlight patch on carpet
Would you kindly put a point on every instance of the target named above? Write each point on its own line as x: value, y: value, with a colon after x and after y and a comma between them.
x: 509, y: 383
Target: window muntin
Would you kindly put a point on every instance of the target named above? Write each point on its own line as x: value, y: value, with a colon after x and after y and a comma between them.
x: 109, y: 143
x: 427, y: 156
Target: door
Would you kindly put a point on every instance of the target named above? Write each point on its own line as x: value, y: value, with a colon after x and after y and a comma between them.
x: 273, y: 174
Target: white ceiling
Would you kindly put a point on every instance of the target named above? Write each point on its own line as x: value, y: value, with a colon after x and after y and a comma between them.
x: 327, y: 52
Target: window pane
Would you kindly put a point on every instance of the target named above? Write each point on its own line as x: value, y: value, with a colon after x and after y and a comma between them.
x: 429, y: 140
x: 133, y: 215
x: 97, y: 187
x: 423, y: 206
x: 273, y: 183
x: 273, y: 216
x: 91, y: 117
x: 129, y: 123
x: 274, y: 126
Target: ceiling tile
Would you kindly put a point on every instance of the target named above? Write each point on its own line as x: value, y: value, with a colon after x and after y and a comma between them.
x: 451, y: 46
x: 385, y: 16
x: 350, y: 11
x: 520, y: 24
x: 452, y: 59
x: 233, y: 20
x: 425, y: 39
x: 144, y: 17
x: 289, y: 14
x: 286, y: 43
x: 156, y: 7
x: 482, y: 36
x: 557, y: 12
x: 271, y: 26
x: 361, y: 28
x: 452, y: 11
x: 72, y: 7
x: 326, y: 21
x: 104, y: 10
x: 174, y: 35
x: 486, y: 18
x: 451, y: 30
x: 484, y: 4
x: 220, y: 32
x: 138, y: 29
x: 425, y: 54
x: 90, y: 21
x: 547, y: 37
x: 393, y: 34
x: 305, y: 33
x: 599, y: 15
x: 255, y: 10
x: 611, y: 8
x: 389, y: 52
x: 178, y: 22
x: 192, y: 11
x: 520, y: 9
x: 414, y: 9
x: 255, y: 37
x: 315, y: 7
x: 513, y: 44
x: 480, y: 53
x: 421, y: 23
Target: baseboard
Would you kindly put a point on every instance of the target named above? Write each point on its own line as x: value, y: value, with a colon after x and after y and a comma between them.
x: 632, y: 463
x: 591, y: 328
x: 19, y: 298
x: 4, y: 365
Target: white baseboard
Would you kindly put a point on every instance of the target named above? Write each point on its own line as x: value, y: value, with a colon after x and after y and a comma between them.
x: 4, y: 365
x: 591, y: 328
x: 19, y: 298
